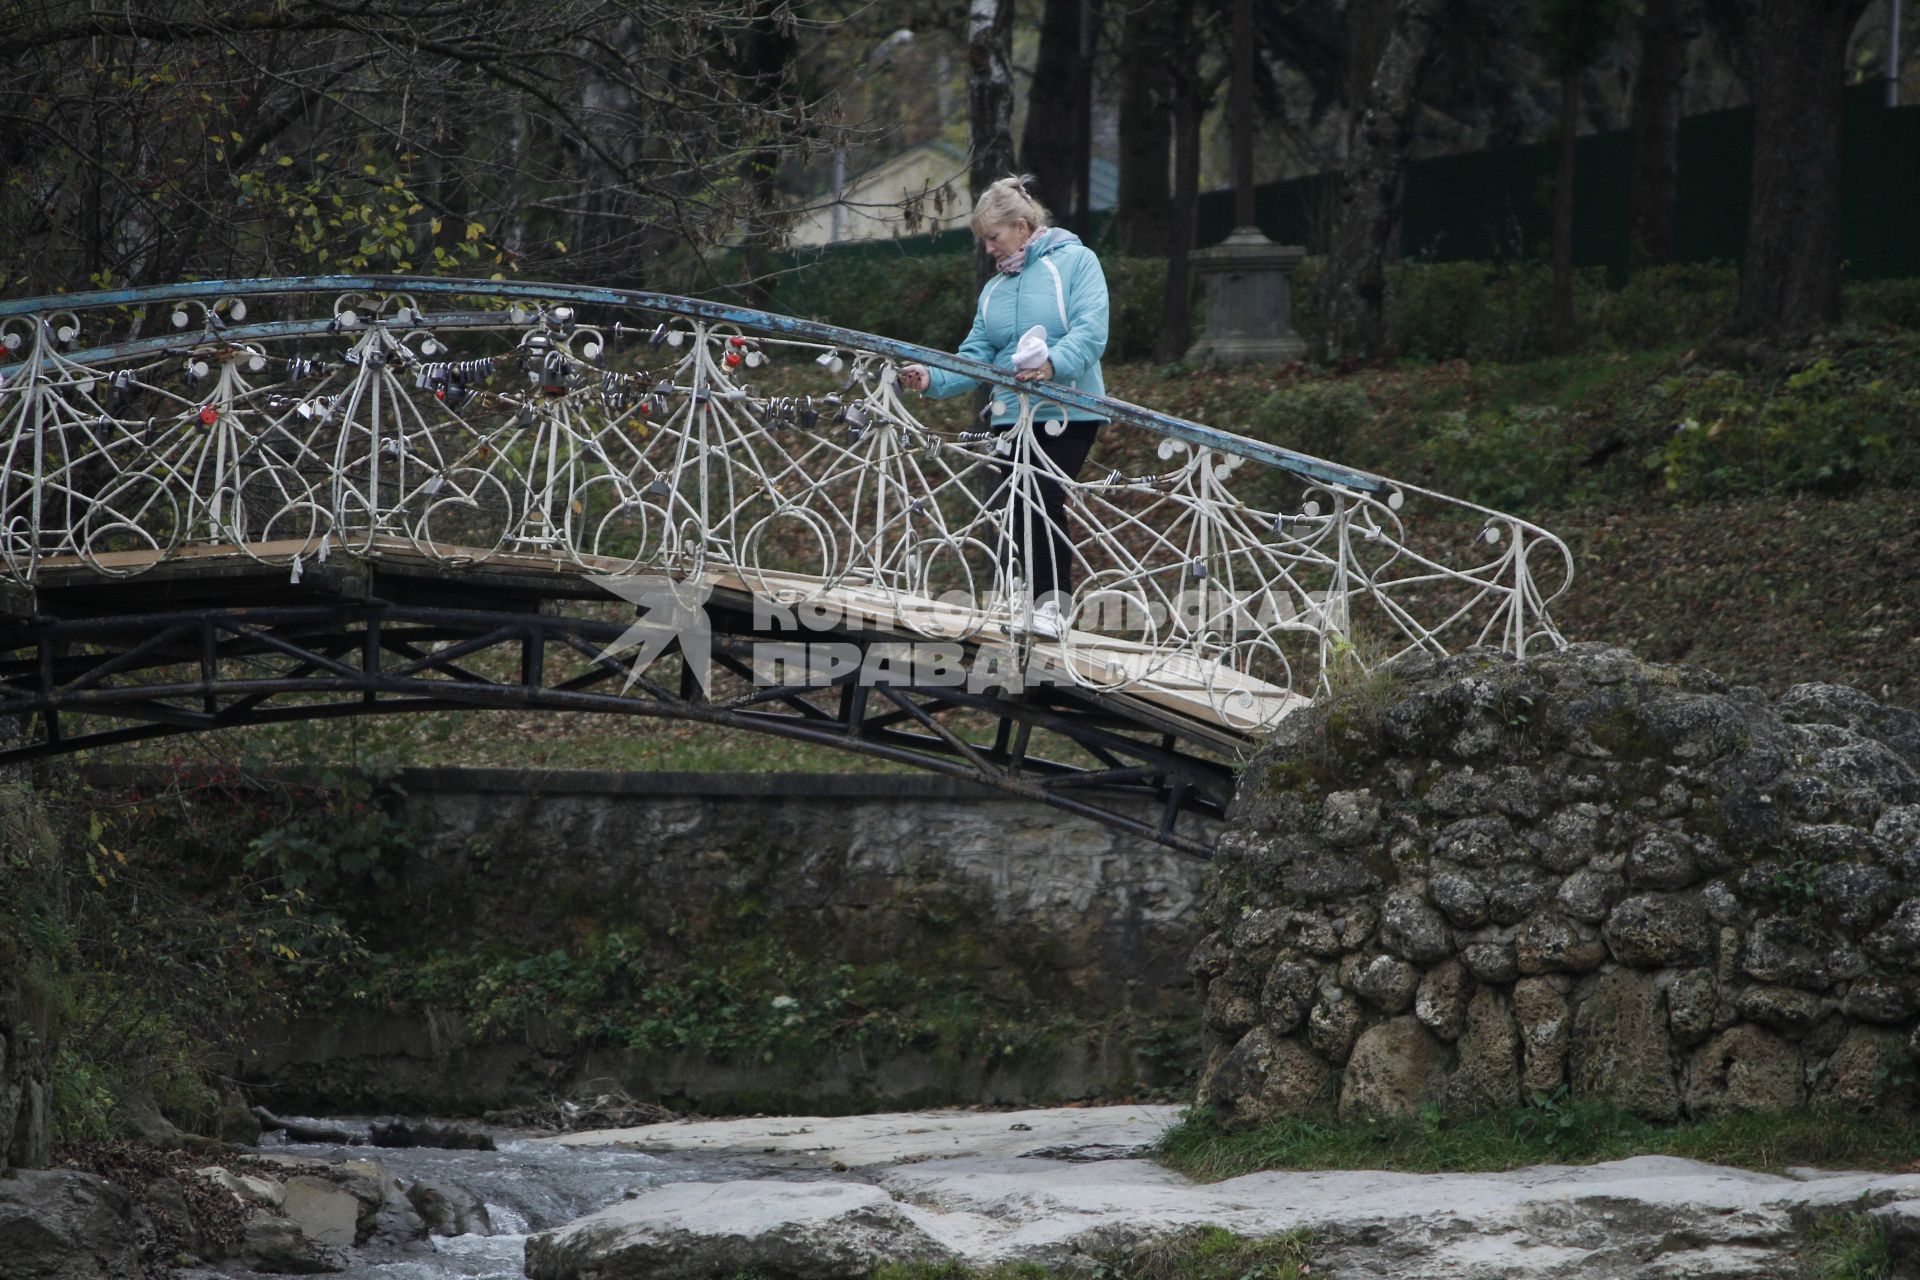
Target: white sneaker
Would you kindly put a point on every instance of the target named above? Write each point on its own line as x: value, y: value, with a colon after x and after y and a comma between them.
x: 1047, y: 622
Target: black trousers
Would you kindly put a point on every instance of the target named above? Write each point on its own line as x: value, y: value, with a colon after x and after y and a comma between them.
x: 1047, y: 568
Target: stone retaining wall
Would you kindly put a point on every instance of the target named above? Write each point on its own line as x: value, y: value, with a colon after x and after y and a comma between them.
x: 1033, y: 913
x: 1476, y: 880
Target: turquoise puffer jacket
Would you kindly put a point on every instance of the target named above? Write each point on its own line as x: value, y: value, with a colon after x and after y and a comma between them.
x: 1061, y: 287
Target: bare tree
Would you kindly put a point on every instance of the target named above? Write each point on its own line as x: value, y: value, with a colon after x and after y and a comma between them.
x: 570, y: 137
x: 1353, y: 290
x: 1790, y: 276
x: 989, y: 103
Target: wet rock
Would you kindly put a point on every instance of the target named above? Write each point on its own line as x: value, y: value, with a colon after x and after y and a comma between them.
x: 429, y: 1133
x: 324, y: 1212
x: 274, y: 1244
x: 449, y: 1209
x: 1657, y: 931
x: 1745, y: 1068
x: 1396, y: 1068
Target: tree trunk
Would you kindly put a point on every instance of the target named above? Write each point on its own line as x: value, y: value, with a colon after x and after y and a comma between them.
x: 1790, y: 277
x: 1146, y: 132
x: 767, y: 57
x: 1367, y: 203
x: 1563, y: 211
x: 1656, y: 136
x: 1368, y: 23
x: 1088, y: 47
x: 989, y: 104
x: 1192, y: 95
x: 1049, y: 143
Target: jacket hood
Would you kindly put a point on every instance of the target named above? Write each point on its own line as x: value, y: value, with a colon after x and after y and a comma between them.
x: 1049, y: 240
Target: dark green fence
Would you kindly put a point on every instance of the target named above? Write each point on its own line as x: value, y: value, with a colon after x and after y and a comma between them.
x: 1494, y: 205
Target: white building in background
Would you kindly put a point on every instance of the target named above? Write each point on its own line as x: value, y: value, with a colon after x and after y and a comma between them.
x: 873, y: 204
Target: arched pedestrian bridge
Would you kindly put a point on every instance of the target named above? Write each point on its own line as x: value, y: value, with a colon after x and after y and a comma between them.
x: 267, y: 500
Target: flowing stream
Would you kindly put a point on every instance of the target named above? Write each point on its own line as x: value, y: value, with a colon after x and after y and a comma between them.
x: 528, y: 1187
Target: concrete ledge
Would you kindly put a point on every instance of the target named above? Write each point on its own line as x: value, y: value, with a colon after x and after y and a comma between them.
x: 575, y: 782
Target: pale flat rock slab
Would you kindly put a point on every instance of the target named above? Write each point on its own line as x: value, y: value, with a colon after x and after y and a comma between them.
x: 979, y: 1188
x: 692, y: 1230
x: 899, y: 1137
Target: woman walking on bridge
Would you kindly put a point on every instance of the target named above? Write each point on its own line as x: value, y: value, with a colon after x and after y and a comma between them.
x: 1043, y: 314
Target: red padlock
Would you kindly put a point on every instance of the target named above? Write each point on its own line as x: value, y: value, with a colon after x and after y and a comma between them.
x: 209, y: 415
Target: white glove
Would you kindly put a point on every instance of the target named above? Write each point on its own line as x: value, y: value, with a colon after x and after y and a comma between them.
x: 1031, y: 353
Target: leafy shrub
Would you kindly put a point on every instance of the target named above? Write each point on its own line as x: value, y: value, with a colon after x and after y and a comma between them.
x: 1889, y: 303
x: 1827, y: 426
x: 1136, y: 300
x: 1507, y: 459
x: 1313, y: 417
x: 343, y: 840
x: 1666, y: 306
x: 926, y: 300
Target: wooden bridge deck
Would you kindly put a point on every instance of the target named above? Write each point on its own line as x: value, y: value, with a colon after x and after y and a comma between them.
x: 1213, y: 701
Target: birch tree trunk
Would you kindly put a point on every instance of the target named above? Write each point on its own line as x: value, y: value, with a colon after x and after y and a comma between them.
x: 1353, y: 288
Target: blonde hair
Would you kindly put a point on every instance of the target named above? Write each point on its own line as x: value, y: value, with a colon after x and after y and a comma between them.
x: 1006, y: 202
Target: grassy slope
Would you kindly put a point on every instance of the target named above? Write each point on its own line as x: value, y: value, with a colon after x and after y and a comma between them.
x: 1766, y: 589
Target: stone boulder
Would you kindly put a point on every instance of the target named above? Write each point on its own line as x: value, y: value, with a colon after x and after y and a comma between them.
x: 62, y: 1224
x: 1395, y: 1069
x: 697, y: 1230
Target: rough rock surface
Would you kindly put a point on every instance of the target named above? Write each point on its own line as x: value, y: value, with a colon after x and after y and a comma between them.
x: 694, y: 1230
x: 988, y: 1188
x: 1579, y: 870
x: 62, y: 1224
x: 26, y: 1131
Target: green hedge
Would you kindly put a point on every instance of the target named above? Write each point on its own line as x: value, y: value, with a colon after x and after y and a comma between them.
x: 1439, y: 310
x: 930, y: 300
